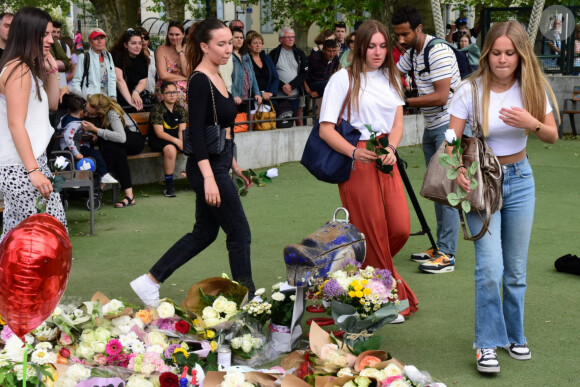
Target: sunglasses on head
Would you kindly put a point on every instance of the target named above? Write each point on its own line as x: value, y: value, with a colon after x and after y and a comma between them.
x: 131, y: 32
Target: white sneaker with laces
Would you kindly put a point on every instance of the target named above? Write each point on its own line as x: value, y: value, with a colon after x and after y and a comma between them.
x: 147, y: 290
x: 487, y: 361
x: 108, y: 179
x: 519, y: 352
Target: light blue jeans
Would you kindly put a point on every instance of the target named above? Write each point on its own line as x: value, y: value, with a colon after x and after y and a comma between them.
x: 501, y: 260
x: 447, y: 217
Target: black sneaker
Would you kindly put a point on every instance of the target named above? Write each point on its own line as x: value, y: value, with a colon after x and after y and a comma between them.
x: 487, y: 360
x: 169, y: 190
x: 519, y: 352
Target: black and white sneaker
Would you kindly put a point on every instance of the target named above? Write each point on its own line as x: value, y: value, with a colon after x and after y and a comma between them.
x: 487, y: 360
x: 519, y: 352
x: 169, y: 190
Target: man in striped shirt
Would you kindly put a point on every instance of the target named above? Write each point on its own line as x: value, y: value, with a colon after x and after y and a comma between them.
x: 435, y: 89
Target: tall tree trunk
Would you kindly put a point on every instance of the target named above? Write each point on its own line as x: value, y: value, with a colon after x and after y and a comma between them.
x: 301, y: 31
x: 388, y: 7
x: 115, y: 16
x: 175, y: 9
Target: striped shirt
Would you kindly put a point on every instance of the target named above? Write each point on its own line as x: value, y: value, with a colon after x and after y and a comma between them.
x: 443, y: 65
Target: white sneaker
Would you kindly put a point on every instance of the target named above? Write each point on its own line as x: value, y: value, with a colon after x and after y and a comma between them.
x: 399, y: 320
x: 147, y: 290
x: 108, y: 179
x: 487, y: 361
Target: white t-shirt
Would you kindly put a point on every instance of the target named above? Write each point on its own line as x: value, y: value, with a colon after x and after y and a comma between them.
x: 378, y: 102
x: 503, y: 139
x: 443, y: 65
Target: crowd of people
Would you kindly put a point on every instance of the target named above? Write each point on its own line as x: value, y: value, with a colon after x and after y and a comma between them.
x: 205, y: 76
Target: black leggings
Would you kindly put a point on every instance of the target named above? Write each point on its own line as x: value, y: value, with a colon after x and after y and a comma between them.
x: 229, y: 216
x: 115, y: 157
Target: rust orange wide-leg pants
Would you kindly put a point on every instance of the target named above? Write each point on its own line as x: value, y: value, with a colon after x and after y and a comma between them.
x: 378, y: 208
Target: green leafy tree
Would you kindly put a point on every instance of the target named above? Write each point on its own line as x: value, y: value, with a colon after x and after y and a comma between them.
x: 14, y: 5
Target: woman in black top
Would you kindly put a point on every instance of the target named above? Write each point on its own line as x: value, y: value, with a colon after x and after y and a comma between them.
x: 264, y: 67
x: 217, y: 201
x: 131, y: 68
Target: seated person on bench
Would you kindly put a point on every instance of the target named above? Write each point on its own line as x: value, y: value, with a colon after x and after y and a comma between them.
x: 73, y: 140
x: 167, y: 121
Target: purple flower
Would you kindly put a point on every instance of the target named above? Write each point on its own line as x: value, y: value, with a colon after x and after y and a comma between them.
x: 352, y: 262
x: 169, y: 351
x: 166, y: 323
x: 332, y: 289
x: 383, y: 273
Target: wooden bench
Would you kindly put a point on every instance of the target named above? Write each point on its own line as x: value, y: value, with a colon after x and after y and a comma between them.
x: 142, y: 121
x: 571, y: 112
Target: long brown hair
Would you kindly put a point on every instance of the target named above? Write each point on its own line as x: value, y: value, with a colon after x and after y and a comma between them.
x: 200, y: 32
x: 533, y: 83
x: 25, y: 44
x: 358, y: 67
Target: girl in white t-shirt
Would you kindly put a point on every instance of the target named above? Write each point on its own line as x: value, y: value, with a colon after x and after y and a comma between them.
x: 376, y: 201
x: 28, y: 88
x: 514, y: 102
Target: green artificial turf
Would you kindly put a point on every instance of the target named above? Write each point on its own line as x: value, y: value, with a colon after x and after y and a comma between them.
x: 437, y: 339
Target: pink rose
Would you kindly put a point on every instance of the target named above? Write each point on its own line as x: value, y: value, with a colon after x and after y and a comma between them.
x: 100, y: 359
x: 65, y: 339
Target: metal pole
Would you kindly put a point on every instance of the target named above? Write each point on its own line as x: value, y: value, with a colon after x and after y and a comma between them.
x: 401, y: 164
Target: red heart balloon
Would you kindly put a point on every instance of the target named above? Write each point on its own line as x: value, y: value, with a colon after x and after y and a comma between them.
x: 35, y: 261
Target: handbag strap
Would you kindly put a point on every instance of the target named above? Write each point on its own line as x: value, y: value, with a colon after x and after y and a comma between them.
x: 475, y: 98
x: 215, y: 120
x: 346, y: 99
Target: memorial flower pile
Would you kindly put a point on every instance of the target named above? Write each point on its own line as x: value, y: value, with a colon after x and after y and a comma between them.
x: 362, y: 300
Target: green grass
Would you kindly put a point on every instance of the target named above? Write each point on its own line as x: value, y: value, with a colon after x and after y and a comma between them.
x: 438, y: 338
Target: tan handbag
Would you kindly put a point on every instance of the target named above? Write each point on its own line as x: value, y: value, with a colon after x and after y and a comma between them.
x: 487, y: 197
x: 261, y: 116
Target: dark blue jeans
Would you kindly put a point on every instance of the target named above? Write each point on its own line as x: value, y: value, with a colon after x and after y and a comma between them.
x: 229, y: 216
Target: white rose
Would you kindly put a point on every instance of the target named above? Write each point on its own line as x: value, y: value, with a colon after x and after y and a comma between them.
x: 259, y: 292
x: 373, y: 373
x: 398, y: 383
x: 78, y: 313
x: 158, y: 338
x: 450, y: 136
x: 166, y: 310
x: 209, y: 312
x: 137, y: 321
x: 113, y: 307
x: 120, y: 321
x: 236, y: 342
x: 78, y: 372
x: 137, y: 381
x: 210, y: 322
x: 57, y: 311
x: 392, y: 370
x: 278, y: 296
x: 271, y: 173
x: 85, y: 351
x: 220, y: 303
x: 99, y: 347
x: 344, y: 282
x: 338, y: 274
x: 293, y: 297
x: 65, y: 382
x: 60, y: 163
x: 277, y: 286
x: 247, y: 345
x: 102, y: 334
x: 88, y: 336
x: 230, y: 308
